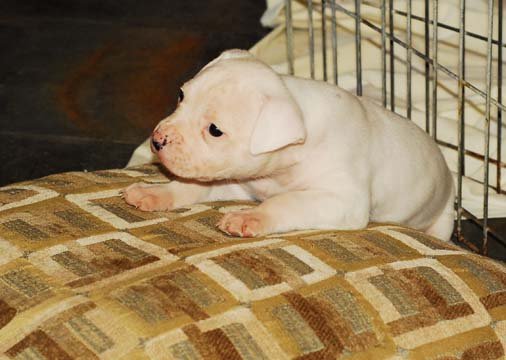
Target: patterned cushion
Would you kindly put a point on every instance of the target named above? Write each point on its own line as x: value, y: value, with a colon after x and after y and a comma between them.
x: 83, y: 275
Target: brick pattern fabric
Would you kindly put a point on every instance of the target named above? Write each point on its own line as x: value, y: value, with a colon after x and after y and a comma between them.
x: 83, y: 275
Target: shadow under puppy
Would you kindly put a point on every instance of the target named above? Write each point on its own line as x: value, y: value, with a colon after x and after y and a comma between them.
x: 317, y: 156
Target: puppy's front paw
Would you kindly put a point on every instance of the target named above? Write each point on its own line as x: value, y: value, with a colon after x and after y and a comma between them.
x: 148, y: 197
x: 244, y: 223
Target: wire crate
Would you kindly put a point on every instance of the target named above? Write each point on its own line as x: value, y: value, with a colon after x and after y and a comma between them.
x: 417, y: 50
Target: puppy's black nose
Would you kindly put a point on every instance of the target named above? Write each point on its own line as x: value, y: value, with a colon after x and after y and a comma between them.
x: 158, y: 146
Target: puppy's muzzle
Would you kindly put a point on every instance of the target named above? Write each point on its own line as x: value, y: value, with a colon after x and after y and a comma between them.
x: 160, y: 138
x: 158, y: 141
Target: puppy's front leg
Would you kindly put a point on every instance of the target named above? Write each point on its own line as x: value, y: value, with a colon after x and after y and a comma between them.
x: 299, y: 210
x: 162, y: 197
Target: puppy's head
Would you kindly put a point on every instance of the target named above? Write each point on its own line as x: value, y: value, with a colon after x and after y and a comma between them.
x: 233, y: 120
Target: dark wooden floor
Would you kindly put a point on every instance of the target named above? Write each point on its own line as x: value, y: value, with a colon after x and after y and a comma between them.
x: 83, y: 82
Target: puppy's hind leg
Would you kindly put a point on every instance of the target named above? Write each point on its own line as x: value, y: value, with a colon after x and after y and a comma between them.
x: 442, y: 228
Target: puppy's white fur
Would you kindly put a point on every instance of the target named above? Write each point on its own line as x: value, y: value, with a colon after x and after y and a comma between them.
x: 316, y: 156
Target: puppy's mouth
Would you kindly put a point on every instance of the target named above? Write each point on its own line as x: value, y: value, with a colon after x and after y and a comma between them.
x: 180, y: 168
x: 186, y: 172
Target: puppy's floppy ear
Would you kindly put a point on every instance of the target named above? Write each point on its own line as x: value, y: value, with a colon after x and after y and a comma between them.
x: 230, y: 54
x: 280, y: 123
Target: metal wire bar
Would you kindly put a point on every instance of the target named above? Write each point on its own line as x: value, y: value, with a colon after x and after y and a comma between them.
x: 441, y: 25
x: 469, y: 244
x: 289, y: 35
x: 392, y: 54
x: 471, y: 87
x: 499, y: 94
x: 383, y: 53
x: 324, y: 40
x: 435, y: 40
x: 421, y: 55
x: 311, y: 37
x: 472, y: 154
x: 334, y: 40
x: 408, y: 59
x: 469, y: 216
x: 487, y: 124
x: 427, y: 66
x: 358, y: 48
x: 461, y: 108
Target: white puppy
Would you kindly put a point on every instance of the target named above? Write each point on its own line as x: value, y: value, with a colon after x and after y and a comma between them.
x: 316, y: 156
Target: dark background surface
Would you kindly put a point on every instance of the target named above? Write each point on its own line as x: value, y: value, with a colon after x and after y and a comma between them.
x: 83, y: 82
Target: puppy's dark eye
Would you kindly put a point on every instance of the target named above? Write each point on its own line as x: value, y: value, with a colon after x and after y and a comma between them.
x: 180, y: 96
x: 214, y: 131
